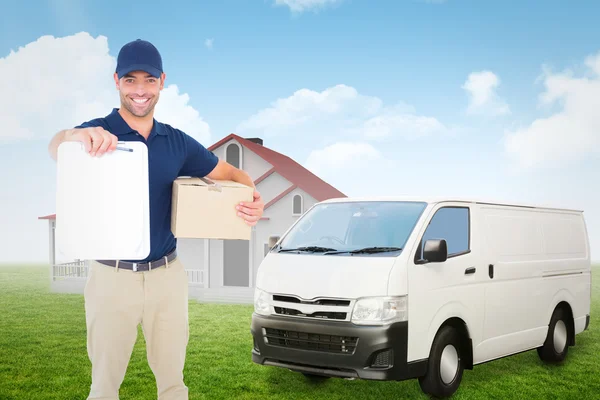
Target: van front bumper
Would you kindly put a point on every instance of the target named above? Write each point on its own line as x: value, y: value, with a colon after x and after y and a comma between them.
x: 339, y: 349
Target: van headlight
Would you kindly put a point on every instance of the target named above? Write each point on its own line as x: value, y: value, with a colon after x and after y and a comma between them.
x: 261, y: 302
x: 379, y: 310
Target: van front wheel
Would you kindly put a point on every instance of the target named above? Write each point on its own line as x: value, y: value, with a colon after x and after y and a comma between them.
x: 445, y: 366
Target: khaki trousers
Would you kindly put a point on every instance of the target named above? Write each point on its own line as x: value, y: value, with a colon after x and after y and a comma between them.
x: 116, y: 302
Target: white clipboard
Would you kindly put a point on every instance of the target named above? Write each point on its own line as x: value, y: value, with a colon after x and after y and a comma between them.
x: 102, y: 203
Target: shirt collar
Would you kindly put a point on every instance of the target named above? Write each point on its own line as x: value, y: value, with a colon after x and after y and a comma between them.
x: 118, y: 126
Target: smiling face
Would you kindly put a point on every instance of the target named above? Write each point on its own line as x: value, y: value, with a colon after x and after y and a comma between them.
x: 139, y: 92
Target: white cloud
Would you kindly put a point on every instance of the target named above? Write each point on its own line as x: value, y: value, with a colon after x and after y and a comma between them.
x: 354, y: 167
x: 342, y: 155
x: 209, y: 43
x: 569, y: 134
x: 391, y: 123
x: 173, y: 108
x: 481, y: 87
x: 339, y: 111
x: 65, y: 81
x: 298, y: 6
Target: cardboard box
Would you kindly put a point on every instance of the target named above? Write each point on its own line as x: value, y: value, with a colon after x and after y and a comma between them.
x: 205, y: 209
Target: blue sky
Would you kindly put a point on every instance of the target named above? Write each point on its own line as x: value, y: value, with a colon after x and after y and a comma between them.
x: 409, y: 97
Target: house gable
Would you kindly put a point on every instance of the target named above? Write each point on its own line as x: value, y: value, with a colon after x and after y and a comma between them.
x: 291, y: 203
x: 235, y: 153
x: 272, y: 187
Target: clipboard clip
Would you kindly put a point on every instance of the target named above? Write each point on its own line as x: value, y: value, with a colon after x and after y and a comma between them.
x: 129, y: 149
x: 212, y: 185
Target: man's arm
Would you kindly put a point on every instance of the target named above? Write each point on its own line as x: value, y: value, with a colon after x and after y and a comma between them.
x: 225, y: 171
x: 200, y: 162
x: 55, y: 142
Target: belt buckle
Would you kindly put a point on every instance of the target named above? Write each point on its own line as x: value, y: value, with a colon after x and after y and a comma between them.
x: 149, y: 266
x: 134, y: 267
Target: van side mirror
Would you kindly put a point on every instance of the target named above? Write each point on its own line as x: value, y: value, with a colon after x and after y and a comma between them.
x: 435, y: 250
x: 273, y: 241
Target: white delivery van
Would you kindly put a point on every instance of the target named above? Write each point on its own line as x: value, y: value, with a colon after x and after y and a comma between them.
x: 393, y: 289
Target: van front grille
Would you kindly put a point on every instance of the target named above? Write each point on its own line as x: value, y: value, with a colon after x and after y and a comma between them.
x: 318, y: 314
x: 311, y: 341
x: 332, y: 309
x: 318, y: 302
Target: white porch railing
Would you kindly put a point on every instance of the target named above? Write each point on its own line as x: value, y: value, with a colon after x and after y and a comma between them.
x: 71, y: 270
x: 78, y: 270
x: 195, y: 276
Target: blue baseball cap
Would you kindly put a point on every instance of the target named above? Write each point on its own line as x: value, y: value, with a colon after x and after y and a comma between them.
x: 139, y: 55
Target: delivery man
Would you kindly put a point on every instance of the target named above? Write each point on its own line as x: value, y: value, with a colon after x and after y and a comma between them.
x: 119, y: 297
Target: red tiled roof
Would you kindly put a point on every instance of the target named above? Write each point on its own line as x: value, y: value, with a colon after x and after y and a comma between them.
x: 264, y: 176
x: 288, y: 168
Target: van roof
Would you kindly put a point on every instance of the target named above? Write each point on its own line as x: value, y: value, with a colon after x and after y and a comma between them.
x: 436, y: 200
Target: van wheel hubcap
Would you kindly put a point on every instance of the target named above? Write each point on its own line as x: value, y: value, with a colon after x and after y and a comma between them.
x: 449, y: 364
x: 560, y: 336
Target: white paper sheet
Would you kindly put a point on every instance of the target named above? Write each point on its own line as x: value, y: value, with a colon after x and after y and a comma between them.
x: 102, y: 203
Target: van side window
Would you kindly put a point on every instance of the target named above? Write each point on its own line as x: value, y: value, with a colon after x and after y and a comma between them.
x: 451, y: 224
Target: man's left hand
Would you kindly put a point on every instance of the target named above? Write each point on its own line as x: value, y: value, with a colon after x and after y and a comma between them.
x: 251, y: 212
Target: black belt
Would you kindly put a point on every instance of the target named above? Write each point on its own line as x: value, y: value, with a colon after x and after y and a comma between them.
x: 143, y: 266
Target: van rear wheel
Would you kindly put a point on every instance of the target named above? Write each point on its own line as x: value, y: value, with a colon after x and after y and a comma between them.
x: 556, y: 346
x: 445, y: 366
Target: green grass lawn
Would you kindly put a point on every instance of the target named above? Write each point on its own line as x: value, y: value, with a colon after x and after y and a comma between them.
x: 43, y: 356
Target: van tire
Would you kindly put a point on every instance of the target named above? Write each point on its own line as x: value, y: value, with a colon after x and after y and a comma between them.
x: 556, y: 346
x: 447, y: 344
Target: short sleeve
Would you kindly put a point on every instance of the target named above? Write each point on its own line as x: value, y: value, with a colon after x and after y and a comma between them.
x: 90, y: 124
x: 199, y: 161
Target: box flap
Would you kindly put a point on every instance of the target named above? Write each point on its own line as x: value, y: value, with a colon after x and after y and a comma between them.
x: 194, y: 181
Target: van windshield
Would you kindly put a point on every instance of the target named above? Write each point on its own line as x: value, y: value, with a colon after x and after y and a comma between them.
x: 367, y: 227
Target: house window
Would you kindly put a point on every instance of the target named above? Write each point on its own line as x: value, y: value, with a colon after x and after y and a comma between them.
x: 297, y: 205
x: 233, y: 155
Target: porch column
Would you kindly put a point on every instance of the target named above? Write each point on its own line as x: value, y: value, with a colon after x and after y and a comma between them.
x: 206, y: 264
x: 52, y: 260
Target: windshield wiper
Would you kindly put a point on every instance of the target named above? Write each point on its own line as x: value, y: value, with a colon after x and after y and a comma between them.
x: 369, y: 250
x: 314, y: 249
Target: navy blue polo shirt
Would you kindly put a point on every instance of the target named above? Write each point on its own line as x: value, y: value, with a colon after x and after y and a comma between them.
x: 171, y: 153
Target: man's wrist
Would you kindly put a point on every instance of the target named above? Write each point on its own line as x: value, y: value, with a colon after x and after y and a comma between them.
x: 243, y: 177
x: 67, y: 133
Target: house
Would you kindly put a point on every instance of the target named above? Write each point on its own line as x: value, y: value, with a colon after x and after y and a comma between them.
x: 225, y: 270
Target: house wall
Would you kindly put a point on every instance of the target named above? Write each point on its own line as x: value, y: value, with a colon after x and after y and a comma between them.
x: 280, y: 219
x: 191, y: 252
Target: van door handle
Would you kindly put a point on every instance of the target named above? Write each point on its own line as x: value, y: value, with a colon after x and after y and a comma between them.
x: 470, y: 271
x: 491, y: 271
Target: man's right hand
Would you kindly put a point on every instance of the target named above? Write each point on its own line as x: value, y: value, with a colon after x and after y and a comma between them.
x: 96, y: 140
